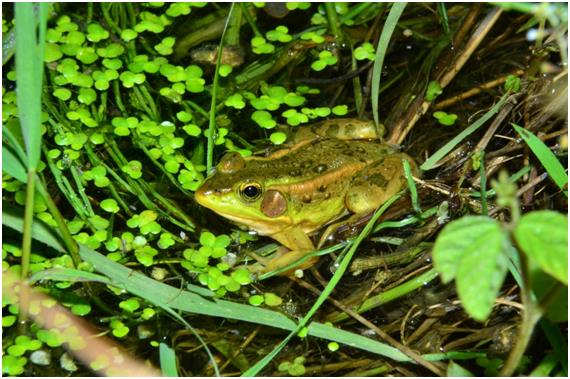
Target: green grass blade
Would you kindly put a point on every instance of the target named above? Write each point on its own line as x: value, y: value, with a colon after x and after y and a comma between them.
x: 215, y: 84
x: 387, y: 30
x: 167, y: 361
x: 412, y: 186
x: 29, y: 69
x: 350, y: 339
x: 12, y: 164
x: 546, y: 157
x: 431, y: 161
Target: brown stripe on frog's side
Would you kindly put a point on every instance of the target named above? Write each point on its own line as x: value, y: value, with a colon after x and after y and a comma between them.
x: 311, y: 185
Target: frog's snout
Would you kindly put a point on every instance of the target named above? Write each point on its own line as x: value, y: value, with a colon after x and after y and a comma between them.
x: 207, y: 194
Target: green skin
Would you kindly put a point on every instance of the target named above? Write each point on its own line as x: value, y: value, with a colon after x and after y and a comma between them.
x: 334, y: 168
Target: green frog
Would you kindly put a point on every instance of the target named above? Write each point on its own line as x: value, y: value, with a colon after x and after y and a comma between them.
x: 330, y: 170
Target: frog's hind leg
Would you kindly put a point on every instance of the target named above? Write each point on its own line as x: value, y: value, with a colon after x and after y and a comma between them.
x: 374, y: 185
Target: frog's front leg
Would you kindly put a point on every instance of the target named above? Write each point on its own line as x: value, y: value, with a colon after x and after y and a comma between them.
x: 371, y: 188
x: 298, y: 242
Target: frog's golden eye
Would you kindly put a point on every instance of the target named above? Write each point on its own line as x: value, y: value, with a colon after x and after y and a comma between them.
x: 250, y: 191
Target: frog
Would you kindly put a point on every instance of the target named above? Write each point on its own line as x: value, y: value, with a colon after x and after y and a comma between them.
x: 331, y: 173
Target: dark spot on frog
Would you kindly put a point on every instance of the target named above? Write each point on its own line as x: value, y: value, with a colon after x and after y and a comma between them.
x: 320, y: 168
x: 332, y: 131
x: 378, y: 180
x: 349, y: 129
x: 327, y: 196
x: 348, y: 152
x: 305, y: 165
x: 321, y: 188
x: 295, y: 173
x: 306, y: 199
x: 362, y: 160
x: 360, y: 150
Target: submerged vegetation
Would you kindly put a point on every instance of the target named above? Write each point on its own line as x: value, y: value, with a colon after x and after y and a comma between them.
x: 114, y: 114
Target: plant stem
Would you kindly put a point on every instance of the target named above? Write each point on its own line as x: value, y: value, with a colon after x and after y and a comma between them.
x: 68, y: 240
x: 531, y: 315
x: 28, y: 219
x: 333, y: 21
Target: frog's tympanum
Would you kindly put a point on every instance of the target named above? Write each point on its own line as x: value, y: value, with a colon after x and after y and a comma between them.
x: 332, y: 169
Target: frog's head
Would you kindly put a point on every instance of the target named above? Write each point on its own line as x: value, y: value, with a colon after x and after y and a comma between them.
x: 239, y: 193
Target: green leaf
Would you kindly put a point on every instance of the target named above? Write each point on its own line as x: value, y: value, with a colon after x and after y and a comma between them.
x: 434, y: 90
x: 551, y: 164
x: 471, y: 250
x: 110, y: 205
x: 454, y: 370
x: 387, y: 30
x: 272, y: 299
x: 167, y: 360
x: 278, y: 138
x: 543, y: 236
x: 29, y: 73
x: 256, y: 300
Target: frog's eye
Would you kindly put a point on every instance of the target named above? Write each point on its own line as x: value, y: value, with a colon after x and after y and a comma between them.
x: 250, y: 191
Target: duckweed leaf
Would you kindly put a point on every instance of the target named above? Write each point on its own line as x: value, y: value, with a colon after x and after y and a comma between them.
x: 365, y: 51
x: 225, y: 70
x: 444, y: 118
x: 192, y: 130
x: 434, y: 90
x: 340, y: 110
x: 113, y: 50
x: 263, y: 119
x: 87, y: 96
x: 178, y: 9
x: 165, y: 46
x: 313, y: 36
x: 110, y: 205
x: 278, y: 138
x: 326, y: 58
x: 96, y: 33
x: 128, y: 35
x: 130, y: 305
x: 129, y: 79
x: 256, y: 300
x: 241, y: 276
x: 260, y: 46
x: 295, y: 118
x: 112, y: 64
x: 272, y: 299
x: 133, y: 169
x: 235, y: 101
x: 52, y: 52
x: 62, y: 93
x: 281, y: 34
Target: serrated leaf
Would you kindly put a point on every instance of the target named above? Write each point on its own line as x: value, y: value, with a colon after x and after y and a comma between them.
x: 543, y: 236
x: 471, y: 250
x: 457, y: 239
